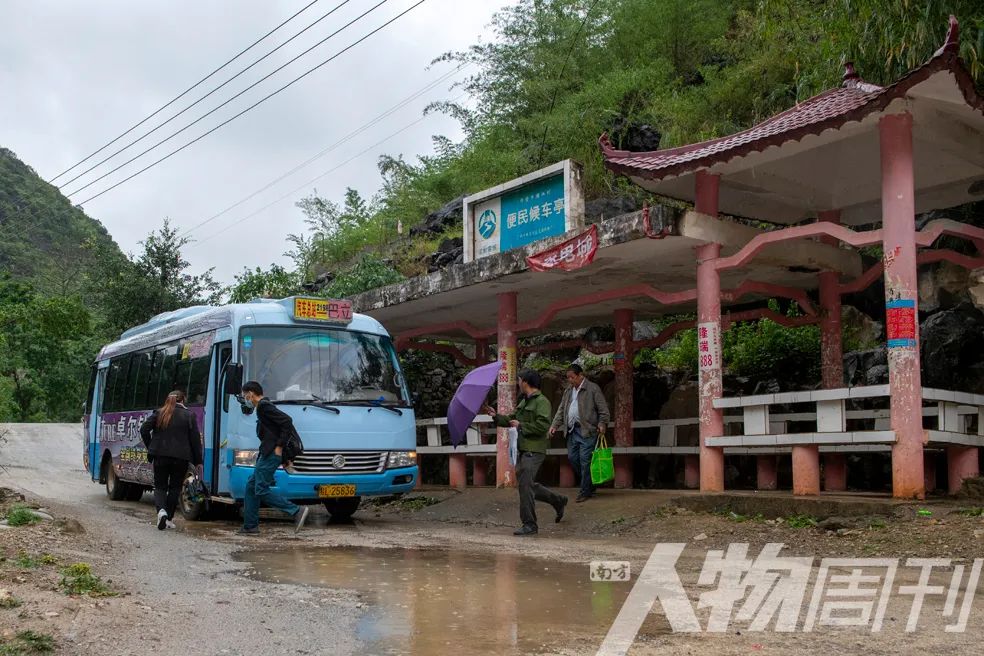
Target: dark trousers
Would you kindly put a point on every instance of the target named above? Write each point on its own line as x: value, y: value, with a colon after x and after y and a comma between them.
x: 169, y: 476
x: 529, y: 490
x: 579, y: 450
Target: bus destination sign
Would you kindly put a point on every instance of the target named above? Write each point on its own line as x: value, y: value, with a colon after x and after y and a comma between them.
x: 321, y: 309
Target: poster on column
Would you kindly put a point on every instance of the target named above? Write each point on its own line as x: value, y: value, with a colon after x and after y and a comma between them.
x: 507, y: 375
x: 900, y: 323
x: 709, y: 345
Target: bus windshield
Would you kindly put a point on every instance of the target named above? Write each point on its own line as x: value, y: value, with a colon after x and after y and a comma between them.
x: 317, y: 364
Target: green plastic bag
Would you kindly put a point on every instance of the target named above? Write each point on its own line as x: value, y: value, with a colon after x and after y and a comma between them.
x: 602, y: 467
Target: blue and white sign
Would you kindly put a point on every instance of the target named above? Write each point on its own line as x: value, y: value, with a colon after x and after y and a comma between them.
x: 524, y: 211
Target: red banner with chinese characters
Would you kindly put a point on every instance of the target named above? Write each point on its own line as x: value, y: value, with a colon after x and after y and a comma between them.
x: 568, y: 256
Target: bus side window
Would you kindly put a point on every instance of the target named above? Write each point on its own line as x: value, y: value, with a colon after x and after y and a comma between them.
x: 133, y: 370
x: 109, y: 394
x: 122, y: 366
x: 89, y: 395
x: 183, y: 371
x: 139, y: 373
x: 198, y: 380
x: 154, y: 380
x: 167, y: 380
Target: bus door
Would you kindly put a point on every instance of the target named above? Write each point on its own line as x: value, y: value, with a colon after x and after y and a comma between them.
x: 93, y: 409
x: 218, y: 475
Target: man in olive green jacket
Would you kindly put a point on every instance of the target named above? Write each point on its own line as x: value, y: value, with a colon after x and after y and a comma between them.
x: 532, y: 420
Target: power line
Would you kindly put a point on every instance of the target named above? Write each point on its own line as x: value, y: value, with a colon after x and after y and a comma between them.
x: 257, y: 103
x: 221, y: 86
x: 553, y: 100
x: 183, y: 93
x: 392, y: 110
x: 312, y: 181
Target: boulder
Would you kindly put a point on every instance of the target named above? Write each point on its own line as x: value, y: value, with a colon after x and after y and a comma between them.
x: 605, y: 208
x: 943, y: 286
x: 320, y: 281
x: 637, y: 137
x: 860, y: 330
x: 440, y: 220
x: 449, y: 252
x: 868, y: 367
x: 951, y: 351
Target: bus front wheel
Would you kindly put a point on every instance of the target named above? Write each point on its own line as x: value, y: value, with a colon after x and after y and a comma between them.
x: 192, y: 510
x: 341, y: 510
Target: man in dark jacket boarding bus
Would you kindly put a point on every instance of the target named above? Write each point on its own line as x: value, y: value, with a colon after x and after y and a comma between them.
x: 273, y: 427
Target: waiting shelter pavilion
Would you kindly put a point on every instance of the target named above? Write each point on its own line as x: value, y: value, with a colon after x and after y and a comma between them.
x: 854, y: 156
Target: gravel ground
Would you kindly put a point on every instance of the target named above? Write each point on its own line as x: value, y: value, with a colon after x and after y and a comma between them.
x: 199, y: 589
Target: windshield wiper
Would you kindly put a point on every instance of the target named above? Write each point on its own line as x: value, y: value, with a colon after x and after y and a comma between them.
x: 317, y: 402
x: 370, y: 404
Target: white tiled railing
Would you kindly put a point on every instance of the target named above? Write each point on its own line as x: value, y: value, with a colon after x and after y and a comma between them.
x: 960, y: 421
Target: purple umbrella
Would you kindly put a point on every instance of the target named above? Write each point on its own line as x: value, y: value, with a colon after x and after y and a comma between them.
x: 469, y: 398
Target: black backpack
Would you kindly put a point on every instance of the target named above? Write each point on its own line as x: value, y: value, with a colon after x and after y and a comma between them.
x: 293, y: 446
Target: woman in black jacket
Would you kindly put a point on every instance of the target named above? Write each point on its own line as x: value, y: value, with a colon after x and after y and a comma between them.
x: 173, y: 442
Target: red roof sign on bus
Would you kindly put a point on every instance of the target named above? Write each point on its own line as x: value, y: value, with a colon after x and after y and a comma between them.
x: 322, y: 309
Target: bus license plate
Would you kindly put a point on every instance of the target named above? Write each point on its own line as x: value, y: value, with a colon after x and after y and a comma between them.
x: 335, y: 491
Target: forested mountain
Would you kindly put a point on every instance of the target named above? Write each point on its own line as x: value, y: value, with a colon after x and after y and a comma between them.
x: 44, y: 239
x: 66, y: 288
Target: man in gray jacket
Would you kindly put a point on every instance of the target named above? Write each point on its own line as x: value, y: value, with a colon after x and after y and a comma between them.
x: 583, y: 415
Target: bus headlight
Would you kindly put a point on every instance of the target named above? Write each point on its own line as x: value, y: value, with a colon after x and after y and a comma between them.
x: 399, y: 459
x: 245, y: 458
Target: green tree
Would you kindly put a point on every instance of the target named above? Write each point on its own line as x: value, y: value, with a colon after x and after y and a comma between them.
x: 46, y: 347
x: 275, y: 282
x: 134, y: 289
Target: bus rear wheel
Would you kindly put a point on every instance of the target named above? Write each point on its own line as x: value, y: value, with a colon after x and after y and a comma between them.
x: 115, y: 488
x: 341, y: 510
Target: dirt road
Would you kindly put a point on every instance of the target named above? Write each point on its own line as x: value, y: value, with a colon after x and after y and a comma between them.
x: 442, y: 574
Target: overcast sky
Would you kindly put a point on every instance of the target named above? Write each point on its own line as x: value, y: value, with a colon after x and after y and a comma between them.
x: 75, y: 74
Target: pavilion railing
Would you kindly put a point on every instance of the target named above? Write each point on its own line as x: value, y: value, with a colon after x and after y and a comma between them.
x: 822, y: 419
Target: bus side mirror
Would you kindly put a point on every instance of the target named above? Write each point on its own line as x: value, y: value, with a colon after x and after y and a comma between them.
x: 233, y: 378
x: 415, y: 397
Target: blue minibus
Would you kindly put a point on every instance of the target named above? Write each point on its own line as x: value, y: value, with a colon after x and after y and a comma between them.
x: 334, y: 372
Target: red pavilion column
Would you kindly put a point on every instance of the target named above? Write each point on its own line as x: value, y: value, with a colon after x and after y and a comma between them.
x: 709, y: 332
x: 505, y: 475
x: 961, y: 463
x: 623, y: 396
x: 929, y: 471
x: 831, y: 356
x: 766, y: 475
x: 902, y: 305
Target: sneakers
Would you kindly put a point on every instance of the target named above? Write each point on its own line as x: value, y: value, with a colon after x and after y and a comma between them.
x: 248, y: 531
x: 300, y: 518
x: 525, y: 531
x: 161, y: 519
x: 170, y: 524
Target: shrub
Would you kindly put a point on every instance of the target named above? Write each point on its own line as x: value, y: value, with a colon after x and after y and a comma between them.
x: 27, y: 561
x: 368, y: 273
x: 28, y: 642
x: 800, y: 521
x: 78, y: 579
x: 765, y: 348
x: 21, y: 516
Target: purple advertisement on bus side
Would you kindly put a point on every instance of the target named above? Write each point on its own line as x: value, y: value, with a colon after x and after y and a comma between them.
x: 119, y: 433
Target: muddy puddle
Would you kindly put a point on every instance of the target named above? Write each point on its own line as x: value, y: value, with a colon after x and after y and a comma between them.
x: 438, y: 602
